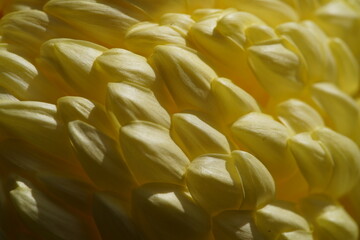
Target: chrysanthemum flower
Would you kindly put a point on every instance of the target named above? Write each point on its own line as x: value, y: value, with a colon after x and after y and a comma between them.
x: 188, y: 119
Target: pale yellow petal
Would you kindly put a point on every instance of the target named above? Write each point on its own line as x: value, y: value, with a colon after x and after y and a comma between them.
x: 101, y: 158
x: 211, y: 184
x: 279, y: 217
x: 233, y: 102
x: 267, y: 139
x: 196, y: 137
x: 257, y: 182
x: 118, y: 65
x: 186, y: 75
x: 298, y: 116
x: 151, y: 153
x: 143, y: 37
x: 128, y: 102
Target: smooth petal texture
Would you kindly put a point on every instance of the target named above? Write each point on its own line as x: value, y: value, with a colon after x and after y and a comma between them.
x: 257, y: 182
x: 78, y: 108
x: 112, y: 218
x: 330, y: 220
x: 165, y: 211
x: 267, y: 139
x: 22, y: 79
x: 120, y: 65
x: 233, y: 101
x: 186, y: 75
x: 298, y: 116
x: 196, y: 137
x: 311, y: 49
x: 151, y: 153
x: 27, y: 158
x: 340, y: 108
x: 277, y: 69
x: 73, y: 190
x: 279, y: 217
x: 345, y: 154
x: 258, y: 33
x: 69, y: 63
x: 235, y: 225
x: 179, y: 22
x: 348, y: 67
x: 266, y: 10
x: 36, y: 123
x: 93, y: 18
x: 228, y: 58
x: 142, y: 38
x: 212, y: 185
x: 313, y: 159
x: 101, y: 158
x: 128, y: 102
x: 48, y: 218
x: 297, y: 235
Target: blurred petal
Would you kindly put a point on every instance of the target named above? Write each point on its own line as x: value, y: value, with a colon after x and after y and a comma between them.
x: 235, y: 225
x: 112, y: 218
x: 164, y: 211
x: 298, y: 116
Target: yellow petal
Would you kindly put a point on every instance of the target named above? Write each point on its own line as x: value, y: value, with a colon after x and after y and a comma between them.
x: 143, y: 37
x: 295, y: 235
x: 211, y: 184
x: 233, y: 102
x: 330, y: 220
x: 235, y: 225
x: 100, y: 157
x: 47, y: 218
x: 338, y: 106
x: 73, y: 190
x: 196, y: 137
x: 257, y: 182
x: 112, y: 218
x: 6, y: 96
x: 277, y: 69
x: 348, y: 68
x: 309, y: 47
x: 345, y: 154
x: 179, y: 22
x: 93, y: 18
x: 186, y: 75
x: 22, y: 79
x: 164, y: 211
x: 265, y: 9
x: 71, y: 61
x: 314, y: 161
x: 151, y: 153
x: 118, y: 65
x: 298, y: 116
x: 279, y: 217
x: 36, y: 123
x: 128, y: 102
x: 257, y: 34
x: 78, y: 108
x: 267, y: 139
